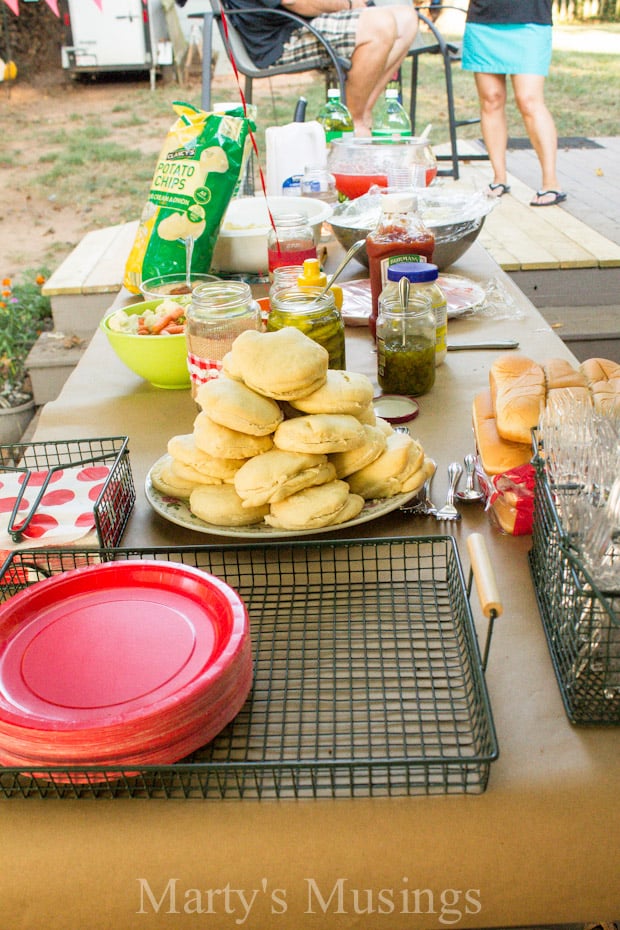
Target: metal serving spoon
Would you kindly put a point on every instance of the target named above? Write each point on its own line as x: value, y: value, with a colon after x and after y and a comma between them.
x: 470, y: 493
x: 345, y: 261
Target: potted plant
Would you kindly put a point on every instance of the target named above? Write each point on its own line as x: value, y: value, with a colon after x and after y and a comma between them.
x: 24, y: 314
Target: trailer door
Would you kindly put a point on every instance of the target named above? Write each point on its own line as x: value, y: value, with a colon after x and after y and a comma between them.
x: 113, y: 37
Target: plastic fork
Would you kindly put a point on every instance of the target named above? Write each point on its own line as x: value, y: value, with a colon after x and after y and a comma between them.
x: 449, y: 511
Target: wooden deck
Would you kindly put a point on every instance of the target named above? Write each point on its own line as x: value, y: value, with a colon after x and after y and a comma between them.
x: 523, y: 238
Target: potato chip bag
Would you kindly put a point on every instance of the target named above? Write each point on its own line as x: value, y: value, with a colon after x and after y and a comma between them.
x: 197, y: 172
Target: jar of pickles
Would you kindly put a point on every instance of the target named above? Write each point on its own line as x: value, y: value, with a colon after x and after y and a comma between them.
x: 218, y: 312
x: 315, y: 314
x: 405, y: 343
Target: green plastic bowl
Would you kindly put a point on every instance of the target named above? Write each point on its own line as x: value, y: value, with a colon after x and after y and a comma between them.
x: 161, y: 360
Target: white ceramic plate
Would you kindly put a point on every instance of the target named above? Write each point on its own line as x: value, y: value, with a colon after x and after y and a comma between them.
x: 462, y: 295
x: 177, y: 511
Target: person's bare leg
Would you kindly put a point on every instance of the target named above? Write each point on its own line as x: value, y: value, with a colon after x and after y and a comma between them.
x: 539, y: 124
x: 492, y: 95
x: 384, y: 36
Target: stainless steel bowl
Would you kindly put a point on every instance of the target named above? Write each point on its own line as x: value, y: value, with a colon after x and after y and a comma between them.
x: 455, y: 219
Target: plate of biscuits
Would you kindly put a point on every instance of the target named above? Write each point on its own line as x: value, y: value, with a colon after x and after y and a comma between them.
x: 178, y: 511
x: 284, y: 446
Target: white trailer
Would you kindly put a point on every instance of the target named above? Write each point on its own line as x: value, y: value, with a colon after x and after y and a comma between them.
x: 114, y: 35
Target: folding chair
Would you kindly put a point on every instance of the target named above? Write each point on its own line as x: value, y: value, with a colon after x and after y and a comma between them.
x: 233, y: 43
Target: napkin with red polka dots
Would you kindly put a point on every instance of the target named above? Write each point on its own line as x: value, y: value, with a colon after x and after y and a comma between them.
x: 63, y: 516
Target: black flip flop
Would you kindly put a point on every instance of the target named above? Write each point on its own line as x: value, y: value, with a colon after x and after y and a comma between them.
x: 502, y: 188
x: 558, y: 197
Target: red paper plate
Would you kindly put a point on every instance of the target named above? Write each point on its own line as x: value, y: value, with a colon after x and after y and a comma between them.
x: 116, y: 651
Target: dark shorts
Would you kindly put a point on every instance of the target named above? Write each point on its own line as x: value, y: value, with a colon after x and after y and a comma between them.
x: 340, y: 30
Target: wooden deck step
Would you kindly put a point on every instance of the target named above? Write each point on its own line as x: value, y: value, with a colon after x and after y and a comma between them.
x: 85, y: 284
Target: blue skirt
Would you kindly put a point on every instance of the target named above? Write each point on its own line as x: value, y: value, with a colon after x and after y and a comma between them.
x: 522, y: 48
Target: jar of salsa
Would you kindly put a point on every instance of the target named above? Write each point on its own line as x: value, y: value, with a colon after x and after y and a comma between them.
x: 315, y: 314
x: 290, y: 241
x: 400, y: 235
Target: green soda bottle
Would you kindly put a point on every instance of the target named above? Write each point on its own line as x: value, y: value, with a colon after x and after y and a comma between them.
x: 390, y: 117
x: 335, y: 118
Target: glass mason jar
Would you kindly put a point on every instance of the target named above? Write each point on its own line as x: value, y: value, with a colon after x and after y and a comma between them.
x: 291, y: 242
x: 405, y: 344
x: 217, y: 314
x: 422, y: 277
x: 284, y: 277
x: 315, y: 314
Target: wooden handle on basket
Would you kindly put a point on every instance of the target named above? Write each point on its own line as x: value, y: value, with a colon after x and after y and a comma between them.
x: 484, y: 575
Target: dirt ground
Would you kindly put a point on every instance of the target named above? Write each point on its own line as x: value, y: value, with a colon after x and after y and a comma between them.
x: 35, y: 230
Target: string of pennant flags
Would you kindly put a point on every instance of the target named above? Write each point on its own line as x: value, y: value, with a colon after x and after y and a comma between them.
x: 52, y: 4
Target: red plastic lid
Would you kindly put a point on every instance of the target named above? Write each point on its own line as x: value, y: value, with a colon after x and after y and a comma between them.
x: 111, y: 643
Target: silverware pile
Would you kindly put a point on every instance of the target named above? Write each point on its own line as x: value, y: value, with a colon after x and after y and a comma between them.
x: 422, y: 505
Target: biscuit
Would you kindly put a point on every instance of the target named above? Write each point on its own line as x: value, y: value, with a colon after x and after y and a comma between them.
x: 233, y: 404
x: 222, y: 442
x: 183, y: 448
x: 320, y: 432
x: 274, y: 475
x: 283, y: 365
x: 343, y: 392
x: 222, y: 506
x: 313, y: 508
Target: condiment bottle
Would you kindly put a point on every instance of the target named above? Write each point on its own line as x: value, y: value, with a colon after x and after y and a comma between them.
x: 290, y: 241
x: 405, y: 343
x: 312, y: 276
x: 422, y: 277
x: 218, y: 312
x: 315, y: 314
x: 400, y: 235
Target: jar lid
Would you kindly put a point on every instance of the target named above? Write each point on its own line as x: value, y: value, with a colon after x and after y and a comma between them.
x: 396, y: 408
x: 413, y: 271
x: 399, y: 203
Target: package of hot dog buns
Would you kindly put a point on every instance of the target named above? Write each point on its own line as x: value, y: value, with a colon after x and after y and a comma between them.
x: 505, y: 415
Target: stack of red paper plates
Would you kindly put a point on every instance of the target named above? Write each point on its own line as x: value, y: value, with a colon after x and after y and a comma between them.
x: 136, y: 662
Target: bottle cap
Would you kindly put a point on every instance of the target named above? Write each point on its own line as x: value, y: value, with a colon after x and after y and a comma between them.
x: 398, y: 203
x: 333, y: 92
x: 312, y: 274
x: 392, y: 93
x: 413, y: 271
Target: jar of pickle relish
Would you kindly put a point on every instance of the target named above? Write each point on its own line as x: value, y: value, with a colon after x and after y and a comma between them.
x: 315, y: 314
x: 422, y: 276
x: 405, y: 344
